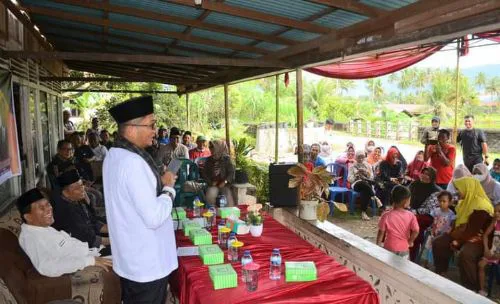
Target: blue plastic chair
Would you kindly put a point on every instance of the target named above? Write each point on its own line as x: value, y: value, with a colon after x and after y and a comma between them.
x: 493, y: 273
x: 188, y: 172
x: 335, y: 170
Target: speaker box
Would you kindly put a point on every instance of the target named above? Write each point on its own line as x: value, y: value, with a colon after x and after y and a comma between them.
x: 279, y: 193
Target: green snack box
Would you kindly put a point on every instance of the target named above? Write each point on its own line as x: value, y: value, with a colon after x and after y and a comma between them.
x: 200, y: 236
x: 188, y: 226
x: 179, y: 213
x: 223, y: 276
x: 226, y: 212
x: 300, y: 271
x: 211, y: 254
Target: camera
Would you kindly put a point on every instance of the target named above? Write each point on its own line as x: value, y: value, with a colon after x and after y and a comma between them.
x: 432, y: 137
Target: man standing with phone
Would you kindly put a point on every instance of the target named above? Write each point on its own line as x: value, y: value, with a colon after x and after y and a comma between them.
x: 442, y: 156
x: 139, y: 198
x: 473, y: 142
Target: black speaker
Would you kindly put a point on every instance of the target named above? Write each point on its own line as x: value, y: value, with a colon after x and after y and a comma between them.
x: 279, y: 193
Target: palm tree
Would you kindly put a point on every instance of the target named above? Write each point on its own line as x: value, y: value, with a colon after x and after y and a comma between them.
x: 316, y: 93
x: 345, y: 85
x: 374, y: 85
x: 421, y: 79
x: 480, y: 80
x: 492, y: 86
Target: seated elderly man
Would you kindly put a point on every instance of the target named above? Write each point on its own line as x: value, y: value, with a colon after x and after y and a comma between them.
x: 53, y: 253
x: 74, y: 214
x: 62, y: 161
x: 174, y: 149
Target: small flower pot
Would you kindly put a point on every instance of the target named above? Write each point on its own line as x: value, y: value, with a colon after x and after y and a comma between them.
x: 308, y: 210
x: 256, y: 230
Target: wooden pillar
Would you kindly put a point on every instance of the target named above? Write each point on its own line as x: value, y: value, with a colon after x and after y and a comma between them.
x: 276, y: 143
x: 226, y: 115
x: 188, y: 122
x: 300, y: 116
x: 457, y: 88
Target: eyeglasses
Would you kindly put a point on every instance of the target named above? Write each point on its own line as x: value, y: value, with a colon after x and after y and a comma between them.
x: 151, y: 126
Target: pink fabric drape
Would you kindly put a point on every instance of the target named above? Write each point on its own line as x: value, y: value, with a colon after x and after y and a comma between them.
x: 493, y: 36
x: 377, y: 65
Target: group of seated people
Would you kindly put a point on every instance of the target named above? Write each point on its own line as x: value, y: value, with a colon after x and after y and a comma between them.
x: 430, y: 213
x: 62, y: 232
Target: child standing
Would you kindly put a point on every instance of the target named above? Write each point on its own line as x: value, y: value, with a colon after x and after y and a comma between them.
x: 491, y: 255
x: 398, y: 227
x: 443, y: 222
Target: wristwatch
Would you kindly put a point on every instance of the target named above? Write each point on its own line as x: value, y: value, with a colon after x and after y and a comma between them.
x: 167, y: 193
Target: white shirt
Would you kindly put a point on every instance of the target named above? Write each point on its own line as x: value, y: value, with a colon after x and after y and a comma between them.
x: 54, y: 253
x: 140, y: 225
x: 100, y: 152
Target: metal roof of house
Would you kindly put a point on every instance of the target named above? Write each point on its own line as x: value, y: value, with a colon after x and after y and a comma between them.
x: 244, y: 38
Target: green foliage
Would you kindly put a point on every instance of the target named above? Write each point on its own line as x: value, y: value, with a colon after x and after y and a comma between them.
x: 241, y: 151
x: 258, y: 175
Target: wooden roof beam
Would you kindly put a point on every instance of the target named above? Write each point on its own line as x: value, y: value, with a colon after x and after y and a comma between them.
x: 120, y: 91
x: 141, y: 29
x: 352, y: 6
x: 197, y: 23
x: 256, y: 15
x: 143, y: 58
x: 106, y: 79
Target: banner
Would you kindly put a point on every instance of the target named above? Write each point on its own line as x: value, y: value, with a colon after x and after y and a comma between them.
x: 10, y: 163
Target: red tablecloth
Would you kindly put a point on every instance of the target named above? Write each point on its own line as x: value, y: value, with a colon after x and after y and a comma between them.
x: 335, y: 284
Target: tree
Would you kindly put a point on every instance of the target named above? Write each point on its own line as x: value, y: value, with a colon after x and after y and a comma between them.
x: 480, y: 80
x: 345, y: 85
x: 315, y: 93
x: 374, y: 85
x: 492, y: 86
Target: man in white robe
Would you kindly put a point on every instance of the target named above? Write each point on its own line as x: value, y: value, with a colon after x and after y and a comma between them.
x: 53, y: 253
x: 139, y: 198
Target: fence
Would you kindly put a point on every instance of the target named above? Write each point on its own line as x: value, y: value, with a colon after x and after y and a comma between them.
x: 396, y: 131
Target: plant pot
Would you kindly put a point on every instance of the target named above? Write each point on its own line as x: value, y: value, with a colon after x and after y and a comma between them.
x: 308, y: 210
x: 256, y: 230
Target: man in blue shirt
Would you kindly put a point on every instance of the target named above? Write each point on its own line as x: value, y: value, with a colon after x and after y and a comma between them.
x: 315, y: 158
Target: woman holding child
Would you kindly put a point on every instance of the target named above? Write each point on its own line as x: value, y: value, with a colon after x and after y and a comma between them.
x: 474, y: 215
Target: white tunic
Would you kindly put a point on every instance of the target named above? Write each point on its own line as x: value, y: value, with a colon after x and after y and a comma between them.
x: 100, y: 152
x: 54, y: 253
x: 140, y: 225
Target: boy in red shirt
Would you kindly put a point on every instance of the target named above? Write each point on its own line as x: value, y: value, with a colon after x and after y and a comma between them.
x: 442, y: 158
x: 398, y: 228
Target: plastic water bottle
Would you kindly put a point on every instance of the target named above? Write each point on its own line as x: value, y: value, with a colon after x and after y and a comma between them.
x: 232, y: 238
x: 221, y: 199
x: 275, y: 269
x: 196, y: 207
x: 222, y: 224
x: 245, y: 259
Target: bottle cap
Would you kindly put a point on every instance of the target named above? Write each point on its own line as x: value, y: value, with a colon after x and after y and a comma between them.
x: 276, y: 250
x: 246, y: 252
x: 237, y: 244
x: 224, y: 230
x: 198, y: 204
x: 232, y: 233
x: 208, y: 214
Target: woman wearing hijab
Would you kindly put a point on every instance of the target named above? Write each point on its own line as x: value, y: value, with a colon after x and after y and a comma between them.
x: 459, y: 172
x: 369, y: 147
x: 490, y: 186
x: 390, y: 174
x: 474, y: 214
x: 218, y: 172
x: 360, y: 175
x: 415, y: 167
x: 423, y: 200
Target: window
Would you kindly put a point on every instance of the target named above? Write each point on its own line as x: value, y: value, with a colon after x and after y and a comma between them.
x: 34, y: 133
x: 44, y: 120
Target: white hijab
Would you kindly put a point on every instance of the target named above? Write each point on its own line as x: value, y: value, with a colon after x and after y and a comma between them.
x: 490, y: 186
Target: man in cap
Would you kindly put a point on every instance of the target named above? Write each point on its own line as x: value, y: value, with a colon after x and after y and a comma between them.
x: 201, y: 149
x: 430, y: 136
x: 74, y: 214
x: 139, y: 197
x: 53, y: 253
x: 163, y: 136
x: 174, y: 149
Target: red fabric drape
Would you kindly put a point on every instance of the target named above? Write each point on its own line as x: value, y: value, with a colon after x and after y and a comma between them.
x: 493, y: 36
x: 335, y: 284
x: 374, y: 66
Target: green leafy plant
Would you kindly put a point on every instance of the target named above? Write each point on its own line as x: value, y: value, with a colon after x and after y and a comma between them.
x: 241, y: 151
x: 312, y: 184
x: 254, y: 215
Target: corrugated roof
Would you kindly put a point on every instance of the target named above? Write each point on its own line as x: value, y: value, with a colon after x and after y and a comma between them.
x: 270, y: 46
x: 294, y: 9
x: 339, y: 19
x: 388, y: 4
x: 299, y: 35
x: 220, y: 36
x: 242, y: 23
x: 161, y: 7
x: 41, y: 20
x: 146, y: 22
x: 67, y: 8
x: 154, y: 38
x: 206, y: 47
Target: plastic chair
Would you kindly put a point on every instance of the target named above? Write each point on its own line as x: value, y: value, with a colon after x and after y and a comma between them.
x: 188, y: 171
x: 335, y: 170
x: 493, y: 273
x: 427, y: 233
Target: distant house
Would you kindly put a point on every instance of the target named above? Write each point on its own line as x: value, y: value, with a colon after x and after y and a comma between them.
x: 412, y: 110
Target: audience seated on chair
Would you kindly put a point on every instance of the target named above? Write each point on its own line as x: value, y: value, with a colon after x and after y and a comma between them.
x: 219, y: 172
x: 174, y: 149
x: 61, y: 161
x: 361, y: 179
x: 74, y: 214
x: 52, y: 252
x: 83, y: 157
x: 201, y: 149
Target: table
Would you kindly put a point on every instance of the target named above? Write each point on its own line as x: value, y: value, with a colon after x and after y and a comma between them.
x: 335, y: 284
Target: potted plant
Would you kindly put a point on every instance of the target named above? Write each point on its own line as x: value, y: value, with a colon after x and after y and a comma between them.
x: 255, y: 219
x: 312, y: 184
x: 241, y: 151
